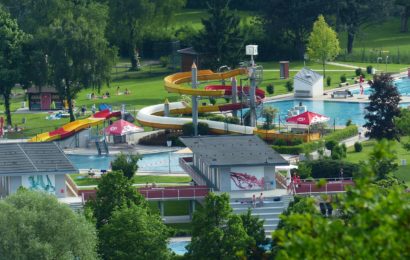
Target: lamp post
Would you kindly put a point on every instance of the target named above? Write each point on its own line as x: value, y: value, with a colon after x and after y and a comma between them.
x: 169, y: 144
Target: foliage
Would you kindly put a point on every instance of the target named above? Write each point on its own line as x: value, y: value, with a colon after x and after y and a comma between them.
x: 221, y: 39
x: 304, y: 170
x: 358, y: 147
x: 212, y: 100
x: 369, y: 69
x: 269, y: 114
x: 226, y: 119
x: 342, y: 134
x: 348, y: 122
x: 329, y: 168
x: 283, y: 149
x: 35, y: 225
x: 383, y: 159
x: 165, y: 61
x: 256, y: 232
x: 328, y: 81
x: 188, y: 129
x: 358, y: 72
x: 12, y: 39
x: 331, y: 144
x: 147, y: 232
x: 114, y: 190
x: 339, y: 152
x: 126, y: 163
x: 218, y: 233
x: 269, y: 88
x: 383, y: 108
x: 343, y: 78
x: 318, y: 48
x: 289, y: 85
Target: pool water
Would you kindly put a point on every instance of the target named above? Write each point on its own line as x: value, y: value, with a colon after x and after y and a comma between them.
x: 158, y: 162
x: 178, y: 247
x: 403, y: 86
x: 338, y: 112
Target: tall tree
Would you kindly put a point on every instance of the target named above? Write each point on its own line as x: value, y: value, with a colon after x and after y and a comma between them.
x: 383, y: 109
x: 221, y: 41
x: 405, y: 13
x: 34, y: 225
x: 291, y: 21
x: 353, y: 14
x: 126, y: 163
x: 323, y: 43
x: 11, y: 43
x: 132, y: 233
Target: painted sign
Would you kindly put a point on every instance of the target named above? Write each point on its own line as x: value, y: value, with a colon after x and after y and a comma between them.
x: 247, y: 178
x: 45, y: 183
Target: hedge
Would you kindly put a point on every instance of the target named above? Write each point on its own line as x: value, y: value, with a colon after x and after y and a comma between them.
x: 342, y: 134
x: 327, y: 168
x: 297, y: 149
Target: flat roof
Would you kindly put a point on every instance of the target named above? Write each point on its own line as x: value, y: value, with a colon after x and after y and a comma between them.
x: 33, y: 159
x: 233, y: 150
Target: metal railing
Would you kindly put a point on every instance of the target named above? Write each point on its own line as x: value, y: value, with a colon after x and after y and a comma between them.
x: 314, y: 187
x: 175, y: 193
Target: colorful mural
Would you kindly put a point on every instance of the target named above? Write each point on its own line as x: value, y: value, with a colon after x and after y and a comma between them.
x: 45, y: 183
x: 241, y: 179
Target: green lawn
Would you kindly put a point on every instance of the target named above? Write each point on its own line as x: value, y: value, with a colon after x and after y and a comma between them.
x: 84, y: 180
x: 403, y: 172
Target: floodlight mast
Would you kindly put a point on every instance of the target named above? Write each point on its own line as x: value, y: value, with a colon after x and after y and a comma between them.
x: 252, y: 50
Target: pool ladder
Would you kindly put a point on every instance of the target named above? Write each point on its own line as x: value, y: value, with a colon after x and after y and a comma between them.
x: 102, y: 147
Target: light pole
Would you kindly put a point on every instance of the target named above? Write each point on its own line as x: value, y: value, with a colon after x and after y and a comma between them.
x: 169, y: 144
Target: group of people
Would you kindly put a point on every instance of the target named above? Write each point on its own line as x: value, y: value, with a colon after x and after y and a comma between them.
x: 84, y: 109
x: 126, y: 92
x: 293, y: 182
x: 260, y: 199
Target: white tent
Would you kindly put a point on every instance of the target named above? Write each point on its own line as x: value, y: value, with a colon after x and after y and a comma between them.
x: 308, y: 83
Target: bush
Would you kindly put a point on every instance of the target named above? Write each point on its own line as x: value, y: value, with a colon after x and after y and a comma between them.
x: 327, y: 168
x: 227, y: 100
x: 298, y: 149
x: 343, y: 78
x: 164, y: 61
x: 296, y: 141
x: 342, y: 134
x: 369, y: 69
x: 212, y: 101
x: 349, y: 122
x: 330, y: 145
x: 188, y: 129
x: 338, y: 152
x: 269, y: 89
x: 279, y: 142
x: 328, y: 81
x: 161, y: 138
x: 358, y: 147
x: 358, y: 71
x: 289, y: 85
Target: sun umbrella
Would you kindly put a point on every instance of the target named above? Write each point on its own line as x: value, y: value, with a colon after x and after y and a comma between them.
x: 308, y: 118
x: 122, y: 127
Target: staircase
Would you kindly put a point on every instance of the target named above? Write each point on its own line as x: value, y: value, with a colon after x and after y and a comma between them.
x: 269, y: 212
x: 102, y: 147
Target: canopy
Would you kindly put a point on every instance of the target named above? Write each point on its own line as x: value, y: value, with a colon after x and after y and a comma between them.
x: 122, y: 127
x: 308, y: 118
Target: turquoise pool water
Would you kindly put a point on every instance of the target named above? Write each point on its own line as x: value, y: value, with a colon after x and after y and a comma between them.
x: 158, y: 162
x: 178, y: 247
x: 403, y: 86
x: 339, y: 112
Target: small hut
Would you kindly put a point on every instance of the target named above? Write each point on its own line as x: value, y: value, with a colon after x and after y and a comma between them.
x: 44, y: 98
x: 308, y: 83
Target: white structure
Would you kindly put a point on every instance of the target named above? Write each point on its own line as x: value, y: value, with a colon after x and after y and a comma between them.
x: 308, y: 83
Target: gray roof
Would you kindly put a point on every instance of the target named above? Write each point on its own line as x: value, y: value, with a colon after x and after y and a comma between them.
x: 308, y: 76
x: 33, y: 159
x: 233, y: 150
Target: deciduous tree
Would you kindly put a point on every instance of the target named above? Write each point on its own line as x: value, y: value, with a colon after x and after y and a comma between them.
x: 126, y: 163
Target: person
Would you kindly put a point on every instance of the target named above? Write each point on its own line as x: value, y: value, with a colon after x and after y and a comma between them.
x: 329, y: 206
x: 92, y: 95
x: 83, y: 109
x: 349, y: 93
x: 361, y: 90
x: 93, y: 109
x: 107, y: 94
x: 126, y: 91
x: 261, y: 199
x: 118, y: 90
x: 254, y: 201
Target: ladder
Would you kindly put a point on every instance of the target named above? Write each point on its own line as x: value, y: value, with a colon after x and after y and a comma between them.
x: 102, y: 147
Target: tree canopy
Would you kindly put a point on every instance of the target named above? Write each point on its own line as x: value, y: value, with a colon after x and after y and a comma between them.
x: 34, y: 225
x: 126, y: 163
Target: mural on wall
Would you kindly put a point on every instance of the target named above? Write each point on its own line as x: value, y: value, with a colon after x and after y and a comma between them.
x: 45, y: 183
x: 247, y: 178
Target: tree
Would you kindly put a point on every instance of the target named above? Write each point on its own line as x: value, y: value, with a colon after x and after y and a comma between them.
x: 11, y: 42
x: 126, y: 163
x: 34, y: 225
x: 323, y: 43
x: 114, y: 191
x: 353, y: 14
x: 256, y: 232
x: 405, y: 13
x: 269, y: 114
x: 221, y: 41
x: 79, y: 54
x: 383, y: 108
x: 133, y: 233
x: 216, y: 232
x: 130, y: 20
x: 383, y: 159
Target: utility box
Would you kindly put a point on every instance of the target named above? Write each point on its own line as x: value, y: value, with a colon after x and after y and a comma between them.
x: 252, y: 50
x: 284, y: 69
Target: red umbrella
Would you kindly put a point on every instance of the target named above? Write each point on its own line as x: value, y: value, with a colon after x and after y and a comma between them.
x: 308, y: 118
x: 122, y: 127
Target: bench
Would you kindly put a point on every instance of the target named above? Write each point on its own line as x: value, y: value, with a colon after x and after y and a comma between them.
x: 343, y: 84
x: 341, y: 94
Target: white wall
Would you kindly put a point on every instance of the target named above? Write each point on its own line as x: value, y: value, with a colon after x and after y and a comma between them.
x: 317, y: 89
x: 314, y: 91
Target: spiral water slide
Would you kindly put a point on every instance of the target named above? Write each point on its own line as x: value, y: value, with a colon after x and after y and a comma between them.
x: 153, y: 116
x: 71, y: 128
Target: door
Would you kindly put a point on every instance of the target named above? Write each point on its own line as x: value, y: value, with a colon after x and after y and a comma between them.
x: 45, y: 101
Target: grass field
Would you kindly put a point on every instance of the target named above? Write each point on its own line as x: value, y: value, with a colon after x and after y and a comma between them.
x: 83, y: 180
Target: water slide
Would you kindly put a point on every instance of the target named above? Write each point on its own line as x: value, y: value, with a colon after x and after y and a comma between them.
x: 71, y: 128
x: 153, y: 116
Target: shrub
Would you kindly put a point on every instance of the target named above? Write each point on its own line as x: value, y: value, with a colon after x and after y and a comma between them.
x: 343, y: 78
x: 212, y: 101
x: 349, y: 122
x: 279, y: 142
x: 164, y: 61
x: 232, y: 120
x: 330, y: 145
x: 269, y: 89
x: 304, y: 170
x: 338, y: 152
x: 328, y: 81
x: 289, y: 85
x: 295, y: 150
x: 227, y: 100
x: 342, y: 134
x: 188, y: 129
x: 296, y: 141
x: 161, y: 138
x: 327, y: 168
x: 358, y: 71
x: 369, y: 69
x: 358, y: 147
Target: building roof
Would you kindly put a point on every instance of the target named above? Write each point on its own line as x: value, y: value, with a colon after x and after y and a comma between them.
x: 33, y: 159
x: 308, y: 76
x: 233, y: 150
x: 45, y: 89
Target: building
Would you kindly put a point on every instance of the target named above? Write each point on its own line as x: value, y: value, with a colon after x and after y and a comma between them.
x: 43, y: 98
x: 35, y: 166
x: 308, y: 83
x: 189, y: 56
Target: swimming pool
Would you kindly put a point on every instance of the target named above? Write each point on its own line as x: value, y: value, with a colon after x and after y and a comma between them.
x: 403, y: 86
x: 178, y: 247
x: 158, y: 162
x: 339, y: 112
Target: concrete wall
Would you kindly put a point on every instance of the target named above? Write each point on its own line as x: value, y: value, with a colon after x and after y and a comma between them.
x: 60, y: 186
x: 15, y: 184
x: 308, y: 91
x: 269, y: 175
